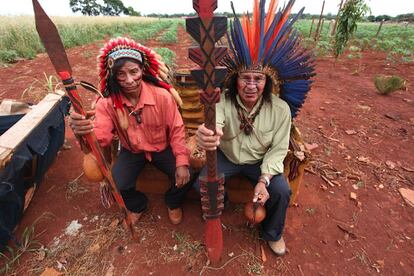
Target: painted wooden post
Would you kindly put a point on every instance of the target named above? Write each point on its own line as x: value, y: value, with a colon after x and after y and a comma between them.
x: 319, y: 22
x: 379, y: 28
x: 311, y: 27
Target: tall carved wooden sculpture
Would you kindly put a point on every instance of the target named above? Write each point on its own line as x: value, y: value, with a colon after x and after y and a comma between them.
x: 207, y: 29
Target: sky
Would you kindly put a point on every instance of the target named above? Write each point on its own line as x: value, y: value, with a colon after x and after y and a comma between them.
x: 61, y: 7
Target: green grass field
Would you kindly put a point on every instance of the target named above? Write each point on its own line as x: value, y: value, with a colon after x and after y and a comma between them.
x: 19, y: 39
x: 395, y: 39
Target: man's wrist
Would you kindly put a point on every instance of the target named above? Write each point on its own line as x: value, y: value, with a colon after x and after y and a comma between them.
x: 265, y: 180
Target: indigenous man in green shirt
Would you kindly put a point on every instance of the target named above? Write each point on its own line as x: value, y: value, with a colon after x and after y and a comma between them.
x: 253, y: 127
x: 268, y: 78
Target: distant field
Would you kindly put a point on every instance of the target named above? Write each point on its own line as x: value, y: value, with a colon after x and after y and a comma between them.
x: 19, y: 39
x: 395, y: 39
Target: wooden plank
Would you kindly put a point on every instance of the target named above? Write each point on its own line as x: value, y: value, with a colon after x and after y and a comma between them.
x: 15, y: 135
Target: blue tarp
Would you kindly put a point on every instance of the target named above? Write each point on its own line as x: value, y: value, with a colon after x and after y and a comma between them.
x: 43, y: 144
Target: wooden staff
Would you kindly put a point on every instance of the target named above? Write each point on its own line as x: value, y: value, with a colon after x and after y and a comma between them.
x: 207, y: 29
x: 54, y: 48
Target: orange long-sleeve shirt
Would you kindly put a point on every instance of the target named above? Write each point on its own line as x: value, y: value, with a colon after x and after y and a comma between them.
x: 161, y: 124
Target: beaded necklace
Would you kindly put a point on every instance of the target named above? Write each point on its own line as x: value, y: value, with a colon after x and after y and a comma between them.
x: 246, y: 122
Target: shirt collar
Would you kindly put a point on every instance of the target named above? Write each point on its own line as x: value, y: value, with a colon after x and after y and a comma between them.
x: 146, y: 97
x: 255, y: 107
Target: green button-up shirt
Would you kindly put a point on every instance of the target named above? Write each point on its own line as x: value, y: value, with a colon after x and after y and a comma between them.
x: 269, y: 140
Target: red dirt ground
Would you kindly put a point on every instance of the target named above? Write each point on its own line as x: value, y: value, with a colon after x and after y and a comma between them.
x: 365, y: 145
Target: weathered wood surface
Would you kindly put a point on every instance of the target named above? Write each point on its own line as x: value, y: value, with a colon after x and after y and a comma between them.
x: 15, y: 135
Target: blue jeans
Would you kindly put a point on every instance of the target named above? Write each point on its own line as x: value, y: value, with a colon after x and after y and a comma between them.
x: 271, y: 228
x: 129, y: 165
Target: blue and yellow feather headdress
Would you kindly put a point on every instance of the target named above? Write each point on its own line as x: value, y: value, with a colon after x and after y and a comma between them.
x: 266, y: 42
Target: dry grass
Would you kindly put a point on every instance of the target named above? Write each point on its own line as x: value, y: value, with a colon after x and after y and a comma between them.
x: 83, y: 254
x: 388, y: 84
x: 23, y: 21
x: 38, y: 88
x: 184, y: 249
x: 28, y: 244
x: 75, y: 188
x: 91, y: 251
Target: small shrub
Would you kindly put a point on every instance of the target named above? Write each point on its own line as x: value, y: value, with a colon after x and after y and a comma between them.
x: 354, y: 55
x: 323, y: 48
x: 170, y: 35
x: 167, y: 55
x: 8, y: 56
x: 353, y: 48
x: 387, y: 84
x: 400, y: 55
x: 308, y: 43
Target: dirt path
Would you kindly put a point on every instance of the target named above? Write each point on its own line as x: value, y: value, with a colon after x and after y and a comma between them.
x: 365, y: 146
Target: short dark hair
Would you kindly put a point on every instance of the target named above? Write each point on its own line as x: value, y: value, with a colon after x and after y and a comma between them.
x: 231, y: 88
x: 113, y: 84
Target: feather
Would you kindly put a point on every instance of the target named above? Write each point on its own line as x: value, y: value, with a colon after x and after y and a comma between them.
x: 260, y: 45
x: 267, y: 42
x: 283, y: 32
x: 235, y: 45
x: 241, y: 43
x: 283, y: 19
x: 270, y: 40
x: 271, y: 12
x: 255, y: 42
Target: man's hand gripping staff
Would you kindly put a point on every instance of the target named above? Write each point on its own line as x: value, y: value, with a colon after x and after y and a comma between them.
x: 54, y: 48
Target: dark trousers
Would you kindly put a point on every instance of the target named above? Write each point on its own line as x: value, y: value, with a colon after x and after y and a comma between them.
x: 279, y: 192
x: 127, y: 168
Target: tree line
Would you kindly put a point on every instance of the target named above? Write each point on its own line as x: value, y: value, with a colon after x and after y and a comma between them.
x: 109, y: 7
x: 408, y: 17
x: 116, y: 7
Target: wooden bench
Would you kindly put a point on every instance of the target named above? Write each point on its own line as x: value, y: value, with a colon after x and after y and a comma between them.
x: 239, y: 189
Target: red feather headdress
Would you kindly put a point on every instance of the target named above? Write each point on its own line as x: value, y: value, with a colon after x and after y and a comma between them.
x: 154, y: 70
x: 105, y: 62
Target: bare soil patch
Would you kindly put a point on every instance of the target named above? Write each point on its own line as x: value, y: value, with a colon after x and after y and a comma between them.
x: 364, y: 144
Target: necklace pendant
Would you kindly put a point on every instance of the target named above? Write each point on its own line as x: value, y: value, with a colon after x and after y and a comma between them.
x: 248, y: 129
x: 138, y: 118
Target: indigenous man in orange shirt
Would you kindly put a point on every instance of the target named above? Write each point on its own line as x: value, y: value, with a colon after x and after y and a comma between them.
x: 138, y: 108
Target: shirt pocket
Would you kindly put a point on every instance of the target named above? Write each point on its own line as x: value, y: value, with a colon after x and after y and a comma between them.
x: 263, y: 140
x: 229, y: 134
x: 155, y: 134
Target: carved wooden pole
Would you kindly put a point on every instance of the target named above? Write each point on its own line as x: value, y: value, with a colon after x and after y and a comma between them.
x: 207, y: 29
